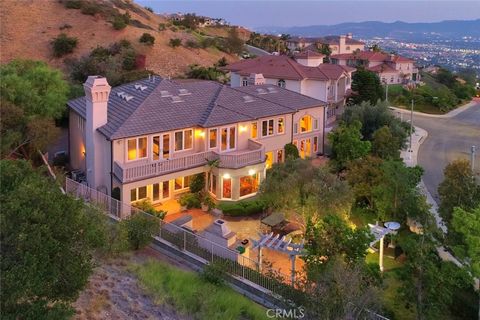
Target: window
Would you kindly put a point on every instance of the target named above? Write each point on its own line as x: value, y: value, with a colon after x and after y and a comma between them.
x: 248, y: 185
x: 306, y: 124
x: 281, y: 83
x: 228, y: 138
x: 280, y: 155
x: 137, y: 194
x: 315, y: 144
x: 281, y: 125
x: 212, y: 142
x: 269, y: 159
x: 244, y: 82
x: 267, y: 127
x: 161, y: 191
x: 183, y: 140
x: 391, y: 79
x: 227, y: 188
x: 137, y: 148
x: 315, y: 124
x: 254, y: 131
x: 161, y: 147
x: 295, y: 128
x: 182, y: 183
x: 213, y: 184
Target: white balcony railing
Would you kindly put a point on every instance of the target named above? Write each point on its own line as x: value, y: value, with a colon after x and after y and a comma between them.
x: 236, y: 159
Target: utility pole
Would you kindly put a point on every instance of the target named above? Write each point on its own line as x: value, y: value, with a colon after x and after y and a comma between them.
x: 411, y: 126
x: 472, y: 161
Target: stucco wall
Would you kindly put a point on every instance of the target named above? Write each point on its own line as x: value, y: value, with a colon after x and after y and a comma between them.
x: 77, y: 141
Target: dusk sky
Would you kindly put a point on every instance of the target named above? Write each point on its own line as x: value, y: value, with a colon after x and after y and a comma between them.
x: 253, y: 14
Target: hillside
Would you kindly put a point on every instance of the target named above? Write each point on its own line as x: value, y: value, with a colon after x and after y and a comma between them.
x: 28, y: 27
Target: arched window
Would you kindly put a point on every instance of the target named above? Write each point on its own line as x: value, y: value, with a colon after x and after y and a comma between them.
x: 281, y: 83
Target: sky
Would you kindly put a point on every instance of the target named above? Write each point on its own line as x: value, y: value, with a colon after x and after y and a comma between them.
x: 285, y: 13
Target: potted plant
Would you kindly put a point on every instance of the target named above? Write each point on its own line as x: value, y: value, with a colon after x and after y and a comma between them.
x: 207, y: 202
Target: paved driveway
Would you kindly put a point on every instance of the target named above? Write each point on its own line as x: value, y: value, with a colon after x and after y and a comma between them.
x: 449, y: 138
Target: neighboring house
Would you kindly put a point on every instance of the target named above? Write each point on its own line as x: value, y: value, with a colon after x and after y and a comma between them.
x: 147, y: 138
x: 391, y: 68
x: 337, y: 44
x: 306, y: 75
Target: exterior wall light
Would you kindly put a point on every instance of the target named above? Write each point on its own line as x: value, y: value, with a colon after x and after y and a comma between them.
x: 226, y: 176
x: 251, y: 172
x: 243, y: 129
x: 200, y: 133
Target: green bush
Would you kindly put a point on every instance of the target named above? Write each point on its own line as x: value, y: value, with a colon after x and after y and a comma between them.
x: 214, y: 273
x: 140, y: 229
x: 73, y: 4
x: 192, y: 44
x: 175, y: 42
x: 90, y: 9
x: 63, y: 45
x: 242, y: 208
x: 162, y: 27
x: 147, y: 39
x: 149, y: 9
x: 190, y: 200
x: 291, y: 151
x: 119, y: 22
x: 197, y: 183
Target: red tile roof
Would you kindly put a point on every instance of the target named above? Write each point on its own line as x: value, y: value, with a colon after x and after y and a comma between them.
x: 309, y: 54
x: 283, y: 67
x: 383, y: 68
x: 370, y: 56
x: 335, y: 40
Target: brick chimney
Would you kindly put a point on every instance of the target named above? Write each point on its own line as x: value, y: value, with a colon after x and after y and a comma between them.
x: 97, y: 91
x: 256, y: 79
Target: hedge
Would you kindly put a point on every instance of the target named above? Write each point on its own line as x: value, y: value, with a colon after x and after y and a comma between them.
x: 242, y: 208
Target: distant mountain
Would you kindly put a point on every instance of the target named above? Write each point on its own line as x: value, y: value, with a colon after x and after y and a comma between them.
x: 450, y: 29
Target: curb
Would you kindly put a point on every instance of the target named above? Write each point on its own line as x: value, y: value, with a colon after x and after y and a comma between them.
x: 447, y: 115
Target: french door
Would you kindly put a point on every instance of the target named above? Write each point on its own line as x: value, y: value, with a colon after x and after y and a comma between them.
x: 160, y: 191
x: 228, y: 138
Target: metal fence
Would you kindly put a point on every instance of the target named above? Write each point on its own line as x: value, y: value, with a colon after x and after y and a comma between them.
x: 235, y: 263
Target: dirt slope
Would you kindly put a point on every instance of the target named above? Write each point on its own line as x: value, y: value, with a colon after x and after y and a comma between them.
x: 28, y: 26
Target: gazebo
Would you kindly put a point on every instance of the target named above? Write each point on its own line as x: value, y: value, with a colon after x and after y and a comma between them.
x: 275, y: 220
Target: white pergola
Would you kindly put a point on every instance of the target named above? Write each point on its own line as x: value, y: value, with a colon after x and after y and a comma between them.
x: 281, y: 244
x: 379, y: 233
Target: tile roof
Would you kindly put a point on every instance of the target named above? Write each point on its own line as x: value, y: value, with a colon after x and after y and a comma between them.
x: 308, y: 54
x: 203, y: 104
x: 334, y: 40
x: 283, y: 67
x: 383, y: 68
x: 371, y: 56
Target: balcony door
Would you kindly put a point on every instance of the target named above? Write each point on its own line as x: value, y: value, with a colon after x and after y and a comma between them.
x: 160, y: 191
x: 161, y: 147
x: 228, y: 138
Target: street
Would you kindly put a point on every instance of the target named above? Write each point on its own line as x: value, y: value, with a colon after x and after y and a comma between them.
x: 448, y: 139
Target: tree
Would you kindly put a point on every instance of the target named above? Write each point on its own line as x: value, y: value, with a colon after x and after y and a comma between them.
x: 233, y: 42
x: 367, y: 87
x: 325, y: 49
x: 397, y: 191
x: 458, y: 189
x: 331, y: 237
x: 364, y: 175
x: 291, y: 151
x: 429, y: 283
x: 347, y: 144
x: 147, y: 39
x: 297, y: 186
x: 121, y: 21
x: 373, y: 117
x: 467, y: 224
x: 375, y: 48
x: 140, y: 229
x: 47, y: 243
x: 63, y: 45
x: 384, y: 144
x: 33, y: 96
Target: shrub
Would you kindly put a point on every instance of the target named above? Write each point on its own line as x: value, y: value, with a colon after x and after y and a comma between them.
x: 129, y: 60
x: 90, y: 9
x: 242, y: 208
x: 119, y: 23
x: 149, y: 9
x: 162, y: 27
x: 192, y: 44
x: 147, y: 39
x: 208, y: 201
x: 214, y: 273
x: 145, y: 205
x: 175, y: 42
x: 291, y: 151
x: 197, y: 183
x: 117, y: 239
x: 73, y: 4
x: 65, y: 26
x: 63, y: 45
x: 190, y: 200
x: 173, y: 29
x: 140, y: 229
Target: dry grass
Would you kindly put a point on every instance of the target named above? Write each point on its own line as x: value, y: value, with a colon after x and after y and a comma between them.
x: 27, y: 27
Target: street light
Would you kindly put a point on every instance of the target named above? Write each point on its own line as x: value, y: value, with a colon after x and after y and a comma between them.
x: 411, y: 87
x: 386, y: 90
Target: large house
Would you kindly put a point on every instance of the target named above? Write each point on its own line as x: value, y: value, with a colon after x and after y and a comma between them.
x: 146, y: 139
x: 391, y: 68
x: 337, y: 44
x: 307, y: 74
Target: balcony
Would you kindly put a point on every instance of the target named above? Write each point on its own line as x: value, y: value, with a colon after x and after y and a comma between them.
x: 128, y: 172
